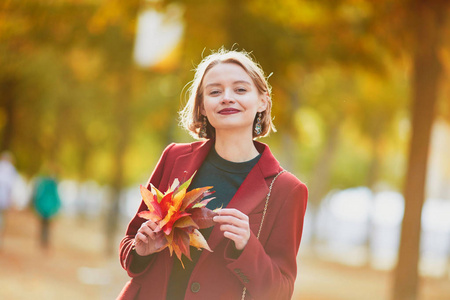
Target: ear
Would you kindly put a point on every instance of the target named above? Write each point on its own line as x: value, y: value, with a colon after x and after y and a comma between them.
x: 202, y: 110
x: 263, y: 102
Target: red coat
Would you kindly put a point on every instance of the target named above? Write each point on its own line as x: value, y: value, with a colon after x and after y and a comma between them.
x: 267, y: 267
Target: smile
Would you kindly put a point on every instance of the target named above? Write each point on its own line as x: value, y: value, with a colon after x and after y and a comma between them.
x: 228, y: 111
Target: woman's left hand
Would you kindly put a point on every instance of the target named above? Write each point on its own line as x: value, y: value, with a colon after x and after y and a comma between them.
x: 234, y: 225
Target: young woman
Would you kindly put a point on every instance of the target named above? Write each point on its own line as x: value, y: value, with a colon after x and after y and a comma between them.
x: 229, y: 106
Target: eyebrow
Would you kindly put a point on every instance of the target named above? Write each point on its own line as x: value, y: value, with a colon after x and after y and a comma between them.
x: 235, y: 82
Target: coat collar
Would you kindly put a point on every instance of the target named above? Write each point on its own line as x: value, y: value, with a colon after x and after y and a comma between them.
x: 190, y: 162
x: 251, y: 192
x: 185, y: 165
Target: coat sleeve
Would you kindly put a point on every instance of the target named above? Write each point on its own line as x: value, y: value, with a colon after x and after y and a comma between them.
x: 126, y: 255
x: 269, y: 271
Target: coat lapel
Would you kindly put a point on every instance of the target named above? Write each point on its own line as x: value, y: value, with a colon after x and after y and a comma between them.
x: 185, y: 165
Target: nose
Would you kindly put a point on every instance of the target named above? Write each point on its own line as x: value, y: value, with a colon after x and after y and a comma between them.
x: 227, y: 97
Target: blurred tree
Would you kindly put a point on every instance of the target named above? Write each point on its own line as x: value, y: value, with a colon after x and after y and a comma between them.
x: 317, y: 36
x: 427, y: 20
x: 69, y: 87
x: 375, y: 117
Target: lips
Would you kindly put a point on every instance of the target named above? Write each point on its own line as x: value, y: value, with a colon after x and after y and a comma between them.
x: 228, y: 111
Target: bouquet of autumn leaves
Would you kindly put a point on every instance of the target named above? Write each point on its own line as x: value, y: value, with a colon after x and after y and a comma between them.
x: 180, y: 215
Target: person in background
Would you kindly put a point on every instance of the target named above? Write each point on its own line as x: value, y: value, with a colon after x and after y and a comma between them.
x: 228, y: 108
x: 46, y: 202
x: 8, y: 175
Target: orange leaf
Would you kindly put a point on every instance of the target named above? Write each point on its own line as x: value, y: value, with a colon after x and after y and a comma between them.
x: 194, y: 196
x: 169, y: 239
x: 148, y: 215
x: 182, y: 240
x: 172, y: 212
x: 149, y: 200
x: 168, y: 217
x: 167, y: 225
x: 178, y: 199
x: 166, y: 203
x: 197, y: 240
x: 177, y: 251
x: 170, y: 249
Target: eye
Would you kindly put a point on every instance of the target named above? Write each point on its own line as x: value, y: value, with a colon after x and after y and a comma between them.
x: 214, y: 92
x: 241, y: 90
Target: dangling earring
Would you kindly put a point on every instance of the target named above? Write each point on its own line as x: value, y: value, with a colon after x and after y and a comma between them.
x: 202, y: 132
x: 258, y: 129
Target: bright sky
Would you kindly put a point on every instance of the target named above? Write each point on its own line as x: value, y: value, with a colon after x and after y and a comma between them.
x: 157, y: 35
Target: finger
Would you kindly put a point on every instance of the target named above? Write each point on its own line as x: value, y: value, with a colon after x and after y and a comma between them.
x: 147, y: 232
x: 141, y: 238
x: 232, y: 236
x: 233, y: 229
x: 230, y: 220
x: 152, y: 225
x: 239, y: 242
x: 232, y: 212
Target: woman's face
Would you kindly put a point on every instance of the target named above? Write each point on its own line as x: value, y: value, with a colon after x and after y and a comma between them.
x: 230, y: 98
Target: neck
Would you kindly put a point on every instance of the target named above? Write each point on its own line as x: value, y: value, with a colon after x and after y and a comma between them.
x: 235, y: 147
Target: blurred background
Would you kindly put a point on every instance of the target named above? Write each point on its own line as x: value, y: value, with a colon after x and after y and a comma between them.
x: 89, y: 94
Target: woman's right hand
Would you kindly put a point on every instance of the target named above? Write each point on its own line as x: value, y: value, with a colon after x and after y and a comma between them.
x: 149, y: 239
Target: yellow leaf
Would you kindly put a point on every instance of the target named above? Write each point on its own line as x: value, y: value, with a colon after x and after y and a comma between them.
x: 167, y: 218
x: 187, y: 183
x: 198, y: 241
x: 156, y: 192
x: 178, y: 199
x: 169, y: 238
x: 199, y: 205
x: 185, y: 222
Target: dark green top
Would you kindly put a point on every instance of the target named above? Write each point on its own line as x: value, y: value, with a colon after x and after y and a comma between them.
x: 226, y: 177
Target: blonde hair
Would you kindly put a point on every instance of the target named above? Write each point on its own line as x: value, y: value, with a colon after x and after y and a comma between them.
x: 191, y: 117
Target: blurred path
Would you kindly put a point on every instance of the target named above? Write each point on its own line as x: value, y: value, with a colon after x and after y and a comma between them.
x: 75, y: 268
x: 320, y: 280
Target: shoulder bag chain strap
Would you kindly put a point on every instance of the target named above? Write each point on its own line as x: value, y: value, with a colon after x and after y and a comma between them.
x: 262, y: 218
